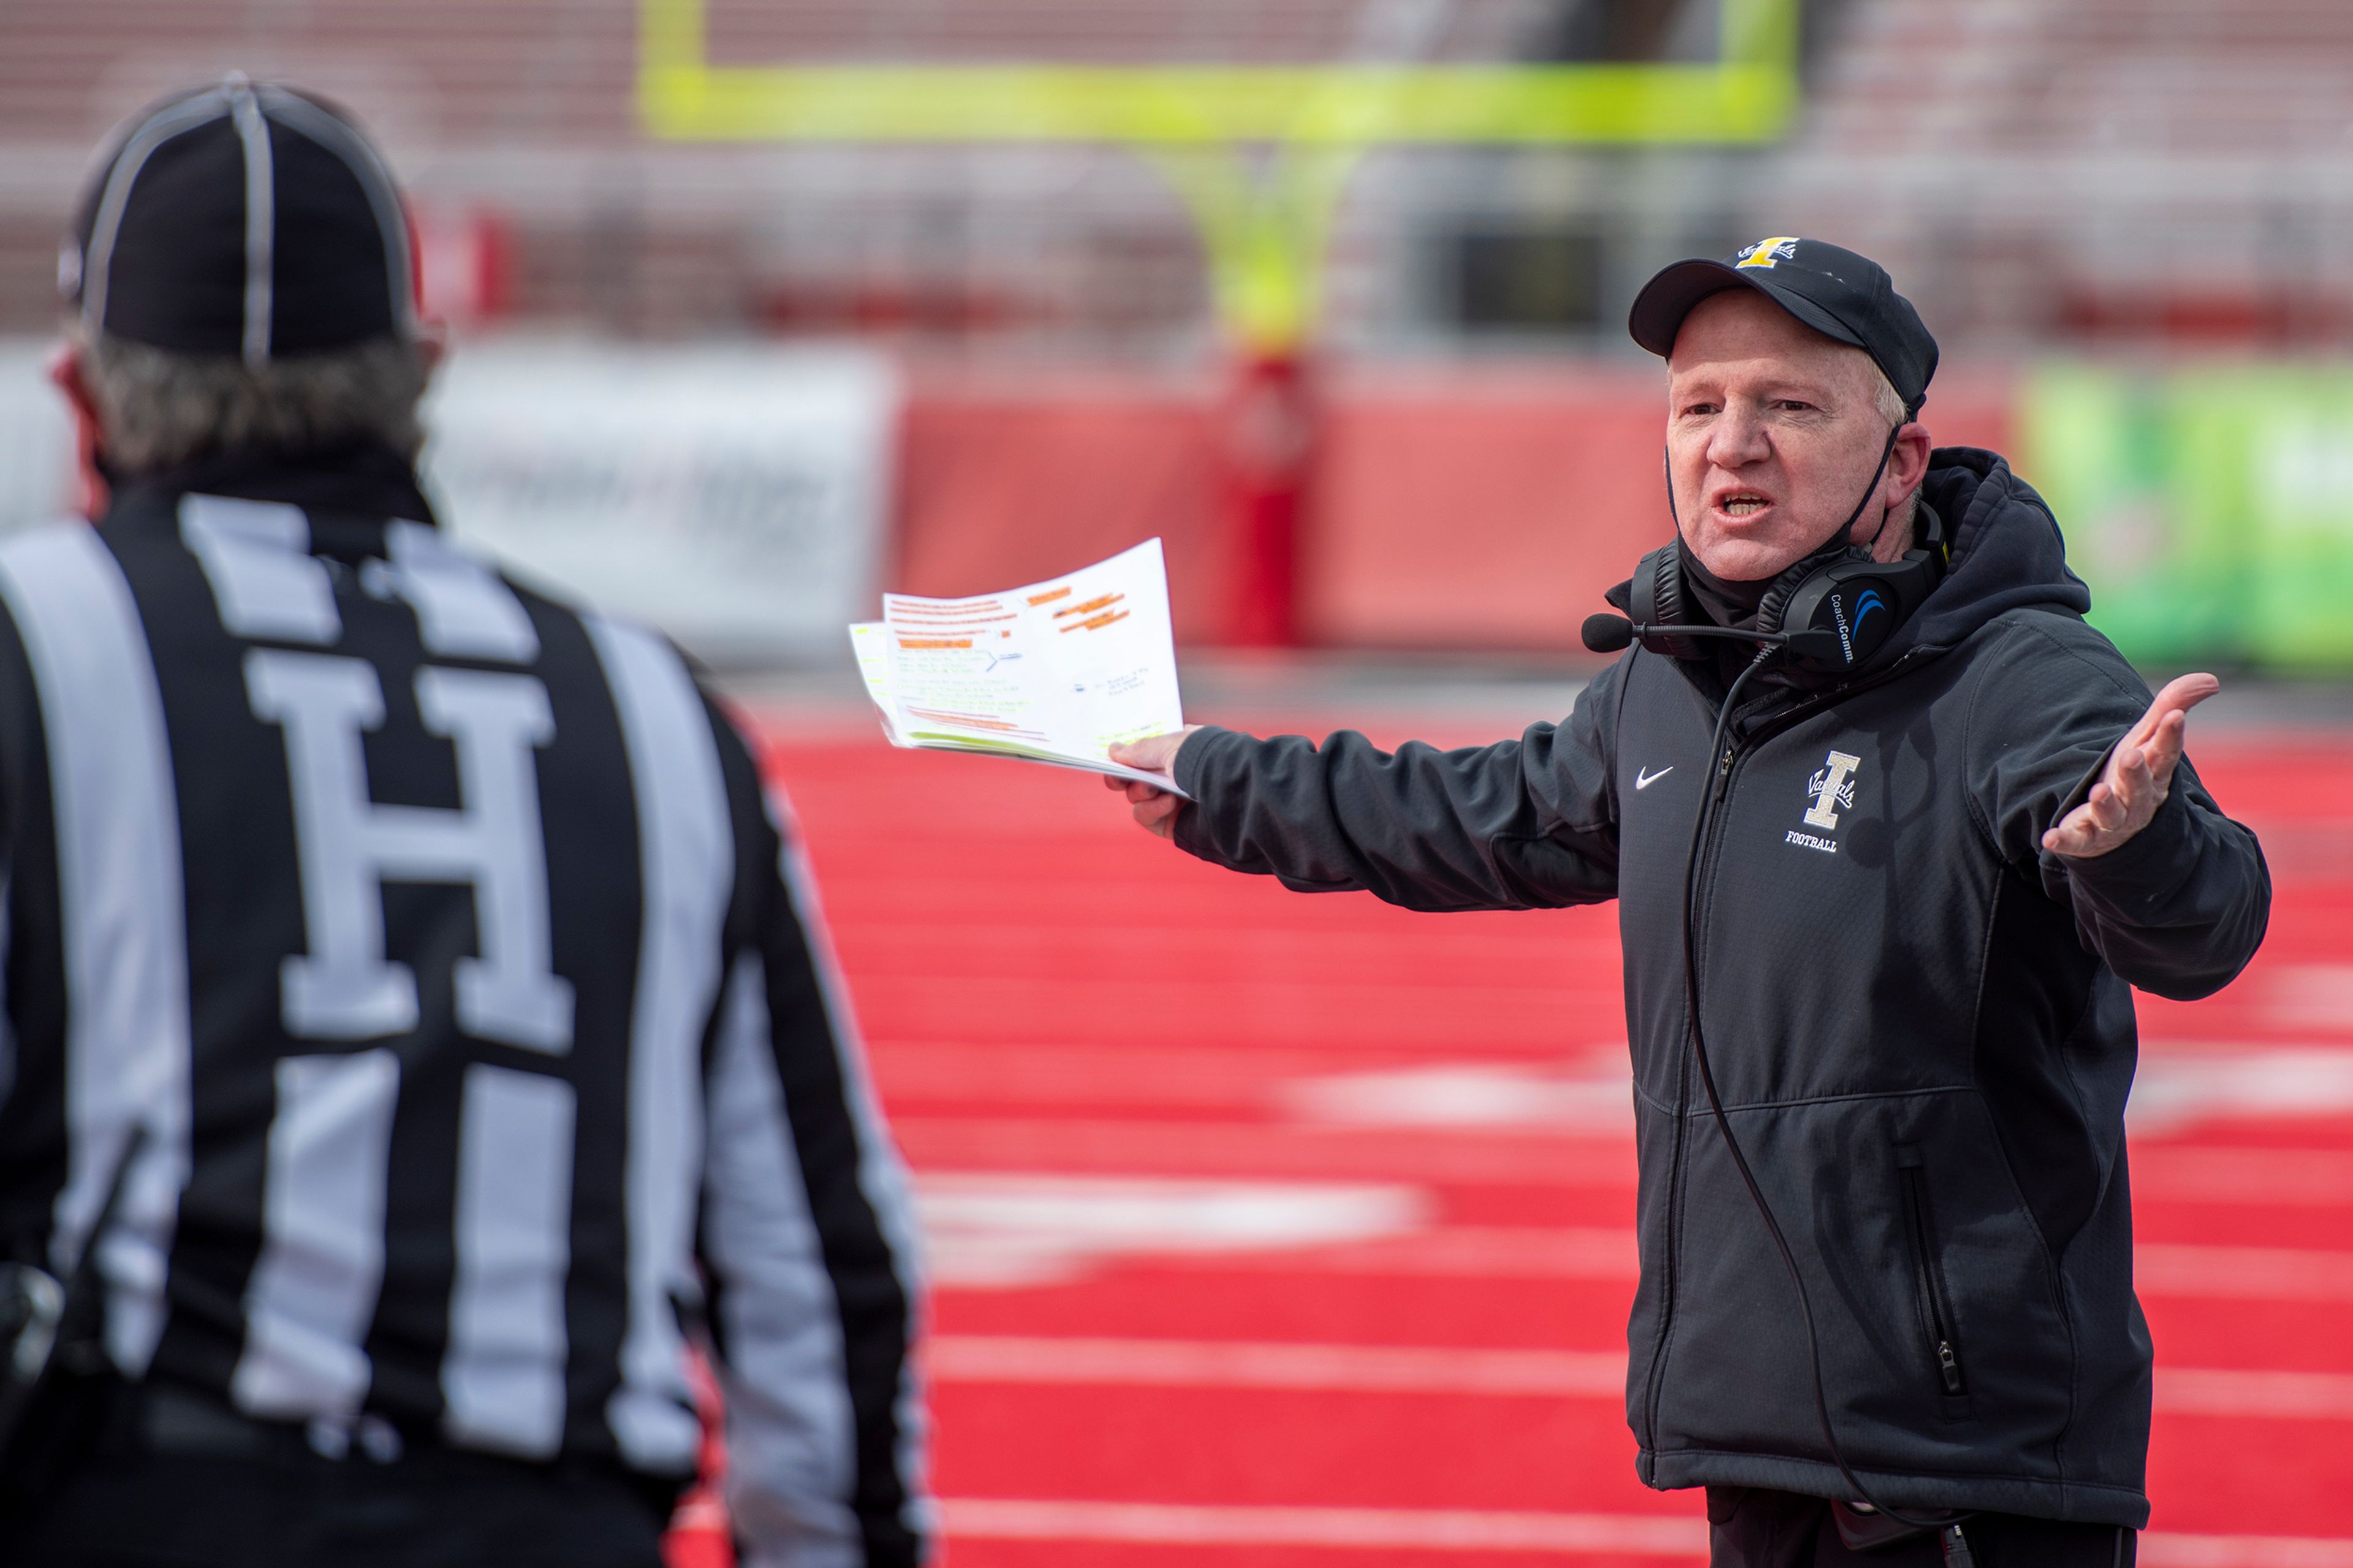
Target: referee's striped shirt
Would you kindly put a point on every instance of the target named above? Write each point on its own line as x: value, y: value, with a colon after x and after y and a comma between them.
x: 471, y: 992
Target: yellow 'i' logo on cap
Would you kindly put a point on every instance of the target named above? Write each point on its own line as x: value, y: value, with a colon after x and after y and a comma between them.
x: 1766, y: 252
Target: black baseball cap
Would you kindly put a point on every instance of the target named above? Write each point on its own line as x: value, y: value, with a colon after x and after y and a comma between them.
x: 243, y: 220
x: 1840, y: 294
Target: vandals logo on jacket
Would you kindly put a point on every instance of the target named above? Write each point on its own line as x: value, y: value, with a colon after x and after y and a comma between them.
x: 1832, y: 790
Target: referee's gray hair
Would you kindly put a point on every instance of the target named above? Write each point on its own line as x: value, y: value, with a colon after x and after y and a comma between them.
x: 159, y: 408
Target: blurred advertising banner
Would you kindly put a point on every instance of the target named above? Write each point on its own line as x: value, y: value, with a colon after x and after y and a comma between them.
x: 37, y: 456
x: 2204, y: 506
x: 735, y: 497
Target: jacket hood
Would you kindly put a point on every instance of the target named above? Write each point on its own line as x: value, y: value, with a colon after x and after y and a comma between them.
x: 2008, y: 554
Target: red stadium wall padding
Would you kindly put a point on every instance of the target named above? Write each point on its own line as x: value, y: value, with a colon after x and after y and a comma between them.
x: 1000, y: 485
x: 1973, y: 407
x: 1470, y: 508
x: 1481, y: 510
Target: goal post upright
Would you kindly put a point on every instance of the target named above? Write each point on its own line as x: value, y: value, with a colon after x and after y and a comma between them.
x: 1260, y: 156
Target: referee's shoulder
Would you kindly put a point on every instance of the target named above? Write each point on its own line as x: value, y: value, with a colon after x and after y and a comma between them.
x: 737, y: 741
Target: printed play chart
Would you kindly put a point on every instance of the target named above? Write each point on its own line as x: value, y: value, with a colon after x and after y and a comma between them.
x: 1057, y: 672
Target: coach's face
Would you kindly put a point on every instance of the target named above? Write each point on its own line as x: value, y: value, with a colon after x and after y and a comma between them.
x: 1773, y: 431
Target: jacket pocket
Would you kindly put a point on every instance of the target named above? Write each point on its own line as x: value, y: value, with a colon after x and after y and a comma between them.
x: 1933, y: 1302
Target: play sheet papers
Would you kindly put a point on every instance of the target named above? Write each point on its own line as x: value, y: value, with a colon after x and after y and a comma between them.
x: 1056, y: 672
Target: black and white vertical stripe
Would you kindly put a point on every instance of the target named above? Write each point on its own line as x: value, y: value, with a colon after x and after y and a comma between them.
x: 119, y: 911
x: 480, y: 1229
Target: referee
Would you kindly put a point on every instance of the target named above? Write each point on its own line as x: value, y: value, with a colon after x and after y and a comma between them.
x: 417, y: 1018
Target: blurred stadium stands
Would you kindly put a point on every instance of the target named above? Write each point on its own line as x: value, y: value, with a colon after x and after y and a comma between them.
x: 2110, y: 170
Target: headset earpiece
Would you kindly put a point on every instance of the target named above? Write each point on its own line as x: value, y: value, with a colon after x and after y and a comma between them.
x: 1856, y: 606
x: 1657, y: 600
x: 1851, y: 601
x: 1775, y: 604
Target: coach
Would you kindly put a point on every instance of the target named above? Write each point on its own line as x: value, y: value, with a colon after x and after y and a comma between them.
x: 1932, y: 871
x: 418, y: 1021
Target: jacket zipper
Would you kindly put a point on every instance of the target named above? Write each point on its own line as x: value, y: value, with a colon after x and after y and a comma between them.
x: 1721, y: 783
x: 1928, y: 1279
x: 1723, y: 786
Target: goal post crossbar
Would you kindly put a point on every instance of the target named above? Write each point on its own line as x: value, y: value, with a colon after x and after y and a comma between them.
x: 1747, y: 95
x: 1167, y: 106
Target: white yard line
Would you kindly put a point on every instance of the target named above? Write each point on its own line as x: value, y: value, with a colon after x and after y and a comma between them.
x: 1213, y: 1364
x: 2243, y: 1273
x: 1448, y: 1530
x: 1012, y: 1228
x: 1488, y: 1372
x: 1465, y: 1529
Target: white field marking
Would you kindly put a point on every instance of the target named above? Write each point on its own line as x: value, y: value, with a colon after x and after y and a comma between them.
x: 1012, y: 1231
x: 2174, y: 1090
x: 1594, y: 1094
x: 2315, y: 1178
x: 2164, y: 1549
x: 1448, y: 1530
x: 1025, y: 1360
x: 2302, y: 1177
x: 2243, y: 1273
x: 2310, y: 997
x: 2213, y: 1391
x: 1466, y: 1252
x: 1213, y: 1363
x: 1470, y: 1252
x: 1008, y: 1231
x: 1204, y: 1150
x: 1466, y: 1530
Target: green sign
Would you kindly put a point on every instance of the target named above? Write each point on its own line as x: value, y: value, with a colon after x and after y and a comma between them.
x: 2209, y: 508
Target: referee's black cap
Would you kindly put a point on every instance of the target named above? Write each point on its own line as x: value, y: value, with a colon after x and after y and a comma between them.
x: 1843, y: 295
x: 243, y: 220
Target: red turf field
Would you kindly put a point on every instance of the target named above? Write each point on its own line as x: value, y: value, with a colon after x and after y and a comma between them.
x: 1368, y: 1307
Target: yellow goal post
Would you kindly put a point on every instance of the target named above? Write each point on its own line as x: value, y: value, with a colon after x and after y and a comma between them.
x: 1264, y: 221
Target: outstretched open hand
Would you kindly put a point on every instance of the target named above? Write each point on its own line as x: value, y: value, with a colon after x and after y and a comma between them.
x: 2138, y: 776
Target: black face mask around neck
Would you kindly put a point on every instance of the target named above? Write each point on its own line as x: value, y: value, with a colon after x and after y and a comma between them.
x: 1722, y: 600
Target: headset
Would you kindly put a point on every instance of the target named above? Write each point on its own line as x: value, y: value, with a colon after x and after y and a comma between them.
x: 1829, y: 612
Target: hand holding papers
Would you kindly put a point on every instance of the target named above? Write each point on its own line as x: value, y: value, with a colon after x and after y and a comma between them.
x: 1057, y: 672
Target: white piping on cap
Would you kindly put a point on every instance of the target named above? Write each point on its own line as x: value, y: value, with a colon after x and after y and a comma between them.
x: 260, y: 217
x: 166, y: 124
x: 299, y: 113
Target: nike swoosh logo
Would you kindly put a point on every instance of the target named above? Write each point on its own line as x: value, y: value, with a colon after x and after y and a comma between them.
x: 1645, y: 780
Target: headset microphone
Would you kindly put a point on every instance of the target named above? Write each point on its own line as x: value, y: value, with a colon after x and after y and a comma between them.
x: 1607, y: 634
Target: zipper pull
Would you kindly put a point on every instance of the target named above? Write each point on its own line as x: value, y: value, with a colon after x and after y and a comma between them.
x: 1949, y: 1365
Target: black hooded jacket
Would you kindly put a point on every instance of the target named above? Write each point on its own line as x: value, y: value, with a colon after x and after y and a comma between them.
x: 1920, y: 1021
